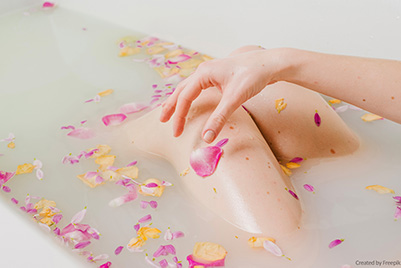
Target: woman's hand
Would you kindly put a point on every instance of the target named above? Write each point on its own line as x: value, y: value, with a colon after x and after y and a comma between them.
x: 238, y: 77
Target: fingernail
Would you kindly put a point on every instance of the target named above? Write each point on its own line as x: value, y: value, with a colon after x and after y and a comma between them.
x: 209, y: 136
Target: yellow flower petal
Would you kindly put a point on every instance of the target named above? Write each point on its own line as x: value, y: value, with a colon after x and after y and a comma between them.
x: 380, y: 189
x: 370, y: 117
x: 25, y: 168
x: 165, y: 44
x: 280, y: 105
x: 131, y: 171
x: 147, y: 232
x: 166, y: 72
x: 44, y: 203
x: 105, y: 161
x: 11, y: 145
x: 128, y: 51
x: 185, y: 172
x: 105, y: 93
x: 292, y: 165
x: 191, y: 63
x: 102, y: 149
x: 286, y: 170
x: 257, y: 242
x: 334, y: 101
x: 173, y: 53
x: 209, y: 251
x: 157, y: 191
x: 207, y: 57
x: 110, y: 175
x: 127, y: 39
x: 47, y: 220
x: 136, y: 242
x: 186, y: 72
x: 91, y: 182
x: 155, y: 50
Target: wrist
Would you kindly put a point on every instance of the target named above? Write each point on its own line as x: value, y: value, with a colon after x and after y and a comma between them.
x: 287, y: 63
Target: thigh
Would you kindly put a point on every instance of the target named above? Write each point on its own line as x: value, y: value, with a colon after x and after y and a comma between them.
x: 293, y: 132
x: 248, y: 187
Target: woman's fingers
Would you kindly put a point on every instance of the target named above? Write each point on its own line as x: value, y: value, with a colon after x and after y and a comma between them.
x: 226, y: 107
x: 185, y: 98
x: 171, y: 102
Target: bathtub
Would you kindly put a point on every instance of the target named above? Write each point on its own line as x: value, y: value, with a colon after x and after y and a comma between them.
x: 367, y: 28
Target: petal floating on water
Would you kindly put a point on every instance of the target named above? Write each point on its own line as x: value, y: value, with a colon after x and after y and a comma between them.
x: 114, y: 119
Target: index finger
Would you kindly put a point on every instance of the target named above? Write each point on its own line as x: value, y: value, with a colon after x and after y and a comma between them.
x: 184, y: 100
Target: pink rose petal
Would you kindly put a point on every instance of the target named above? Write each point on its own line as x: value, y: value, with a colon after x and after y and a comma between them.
x: 132, y: 163
x: 164, y: 251
x: 145, y: 218
x: 318, y: 120
x: 77, y: 218
x: 82, y: 244
x: 137, y: 227
x: 68, y: 127
x: 204, y: 160
x: 133, y: 107
x: 5, y: 176
x: 48, y: 4
x: 82, y: 133
x: 293, y: 194
x: 297, y: 160
x: 193, y: 262
x: 397, y: 213
x: 309, y: 188
x: 113, y: 119
x: 15, y: 201
x: 178, y: 234
x: 153, y: 204
x: 57, y: 218
x: 6, y: 189
x: 118, y: 250
x: 163, y: 263
x: 397, y: 199
x: 335, y: 243
x: 123, y: 199
x: 105, y: 265
x: 143, y: 204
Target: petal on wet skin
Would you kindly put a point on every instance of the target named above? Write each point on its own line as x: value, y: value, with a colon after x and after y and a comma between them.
x: 280, y: 105
x: 317, y: 118
x: 204, y: 160
x: 257, y: 242
x: 272, y: 248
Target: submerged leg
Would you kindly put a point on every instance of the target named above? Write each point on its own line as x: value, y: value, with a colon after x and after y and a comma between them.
x: 248, y: 187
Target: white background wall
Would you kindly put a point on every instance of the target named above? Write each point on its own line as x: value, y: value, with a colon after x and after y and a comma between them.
x: 357, y: 27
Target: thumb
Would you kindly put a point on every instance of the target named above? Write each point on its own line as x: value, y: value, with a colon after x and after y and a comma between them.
x: 219, y: 117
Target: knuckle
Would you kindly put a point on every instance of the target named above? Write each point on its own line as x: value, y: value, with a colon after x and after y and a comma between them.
x: 219, y: 119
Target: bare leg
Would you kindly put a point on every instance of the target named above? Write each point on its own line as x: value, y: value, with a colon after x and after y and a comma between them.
x: 248, y: 187
x: 293, y: 131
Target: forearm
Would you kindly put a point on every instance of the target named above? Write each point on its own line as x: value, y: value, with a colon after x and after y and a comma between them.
x: 372, y: 84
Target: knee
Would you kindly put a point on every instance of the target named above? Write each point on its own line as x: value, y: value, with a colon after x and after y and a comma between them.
x: 245, y: 49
